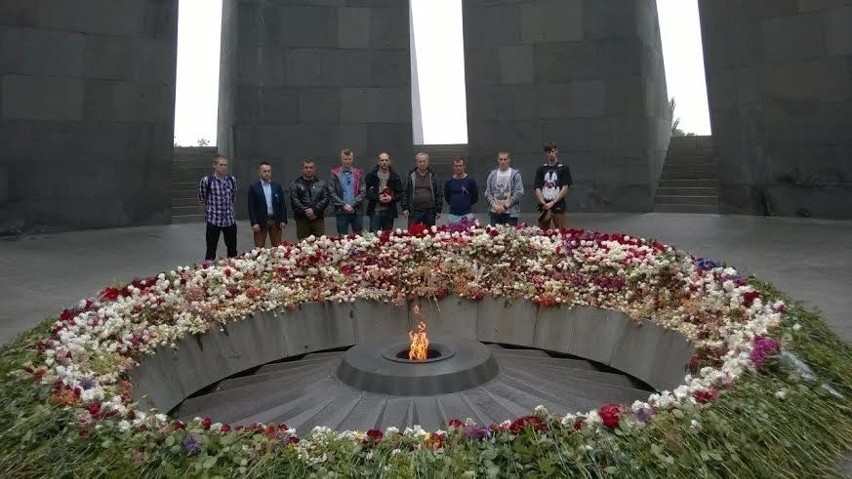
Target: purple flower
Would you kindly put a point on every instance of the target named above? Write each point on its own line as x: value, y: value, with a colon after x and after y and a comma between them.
x: 644, y: 415
x: 191, y: 445
x: 478, y: 432
x: 762, y: 349
x: 87, y: 383
x: 706, y: 264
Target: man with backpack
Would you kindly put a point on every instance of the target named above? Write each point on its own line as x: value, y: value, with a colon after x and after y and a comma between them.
x: 216, y: 195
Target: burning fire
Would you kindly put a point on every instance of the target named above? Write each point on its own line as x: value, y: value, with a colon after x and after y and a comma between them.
x: 419, y: 340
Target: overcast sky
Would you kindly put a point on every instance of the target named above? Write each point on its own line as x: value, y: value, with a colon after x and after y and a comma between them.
x: 438, y: 33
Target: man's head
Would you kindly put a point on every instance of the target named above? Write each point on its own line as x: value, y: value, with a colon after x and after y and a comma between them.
x: 459, y: 166
x: 264, y: 170
x: 309, y: 169
x: 550, y: 152
x: 220, y: 165
x: 347, y: 157
x: 383, y: 160
x: 503, y: 160
x: 421, y: 161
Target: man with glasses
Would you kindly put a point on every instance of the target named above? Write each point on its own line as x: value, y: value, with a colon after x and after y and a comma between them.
x: 552, y: 181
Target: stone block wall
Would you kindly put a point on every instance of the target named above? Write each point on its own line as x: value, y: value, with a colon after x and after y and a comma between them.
x: 303, y: 78
x: 86, y: 113
x: 779, y: 78
x: 587, y: 74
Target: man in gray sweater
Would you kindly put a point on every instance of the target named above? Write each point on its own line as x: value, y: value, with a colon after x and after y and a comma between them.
x: 503, y: 191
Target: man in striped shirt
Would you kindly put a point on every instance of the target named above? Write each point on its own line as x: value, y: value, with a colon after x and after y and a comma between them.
x: 216, y: 194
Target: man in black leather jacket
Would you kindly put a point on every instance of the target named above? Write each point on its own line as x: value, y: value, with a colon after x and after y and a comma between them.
x: 309, y: 199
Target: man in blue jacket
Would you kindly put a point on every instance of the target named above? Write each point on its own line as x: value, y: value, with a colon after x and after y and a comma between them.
x: 266, y: 208
x: 460, y: 193
x: 347, y: 192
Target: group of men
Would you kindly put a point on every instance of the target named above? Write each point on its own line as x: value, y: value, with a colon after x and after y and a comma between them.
x: 379, y: 194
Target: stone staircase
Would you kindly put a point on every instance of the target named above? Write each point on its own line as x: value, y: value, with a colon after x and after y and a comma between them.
x: 689, y: 181
x: 190, y: 163
x: 305, y: 392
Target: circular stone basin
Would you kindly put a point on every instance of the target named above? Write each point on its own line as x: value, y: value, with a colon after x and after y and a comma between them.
x: 458, y: 364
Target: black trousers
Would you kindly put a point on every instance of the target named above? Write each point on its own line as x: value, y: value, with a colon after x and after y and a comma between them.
x: 230, y: 234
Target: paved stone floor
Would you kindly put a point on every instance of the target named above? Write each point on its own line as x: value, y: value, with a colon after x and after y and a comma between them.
x: 809, y: 259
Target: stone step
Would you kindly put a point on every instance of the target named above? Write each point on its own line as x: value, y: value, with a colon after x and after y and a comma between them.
x: 677, y: 167
x: 293, y: 370
x: 523, y: 353
x: 572, y: 387
x: 686, y: 200
x: 529, y: 397
x: 674, y: 208
x: 558, y: 368
x: 288, y: 365
x: 688, y: 175
x: 186, y: 210
x: 366, y: 413
x: 688, y: 191
x: 184, y: 201
x: 243, y: 396
x: 332, y: 414
x: 690, y: 183
x: 183, y: 219
x: 493, y: 407
x: 547, y: 359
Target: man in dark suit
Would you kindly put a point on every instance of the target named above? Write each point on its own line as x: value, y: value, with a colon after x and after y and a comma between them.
x: 266, y: 208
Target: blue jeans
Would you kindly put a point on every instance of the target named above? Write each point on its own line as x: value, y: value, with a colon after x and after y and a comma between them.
x: 502, y: 219
x: 381, y: 221
x: 346, y: 219
x: 425, y: 217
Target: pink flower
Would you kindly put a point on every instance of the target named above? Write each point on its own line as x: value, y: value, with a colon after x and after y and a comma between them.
x: 762, y: 349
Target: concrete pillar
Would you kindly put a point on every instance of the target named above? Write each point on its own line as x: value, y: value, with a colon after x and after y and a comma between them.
x: 779, y: 78
x: 307, y: 79
x: 587, y: 74
x: 86, y: 112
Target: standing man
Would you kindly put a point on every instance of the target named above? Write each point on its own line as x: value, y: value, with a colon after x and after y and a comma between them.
x: 266, y: 208
x: 384, y: 190
x: 309, y: 199
x: 552, y: 181
x: 503, y: 191
x: 421, y: 198
x: 347, y: 192
x: 216, y: 195
x: 460, y: 193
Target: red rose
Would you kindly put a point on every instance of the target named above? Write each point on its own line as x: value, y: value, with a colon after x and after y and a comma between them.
x: 704, y: 396
x: 457, y: 423
x: 225, y: 428
x: 375, y: 434
x: 749, y: 298
x: 534, y: 422
x: 206, y: 422
x: 609, y: 415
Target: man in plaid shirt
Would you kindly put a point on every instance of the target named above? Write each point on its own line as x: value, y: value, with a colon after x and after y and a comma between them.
x: 216, y: 194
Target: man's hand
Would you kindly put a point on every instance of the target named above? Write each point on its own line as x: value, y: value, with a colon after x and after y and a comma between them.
x: 310, y: 213
x: 255, y: 228
x: 498, y: 207
x: 405, y: 213
x: 385, y: 198
x: 283, y: 225
x: 547, y: 205
x: 348, y: 208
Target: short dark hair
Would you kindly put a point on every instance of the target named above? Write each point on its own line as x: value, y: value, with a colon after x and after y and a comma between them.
x: 549, y: 146
x: 505, y: 152
x: 459, y: 159
x: 346, y: 152
x: 309, y: 160
x: 219, y: 155
x: 383, y: 151
x: 264, y: 163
